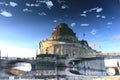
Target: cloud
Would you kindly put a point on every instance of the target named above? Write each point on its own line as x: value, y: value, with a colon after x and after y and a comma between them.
x: 27, y: 10
x: 54, y: 29
x: 60, y: 1
x: 117, y: 37
x: 49, y: 4
x: 6, y: 14
x: 84, y: 15
x: 64, y: 6
x: 55, y: 20
x: 27, y: 4
x: 42, y: 14
x: 103, y: 17
x: 73, y: 24
x: 84, y: 11
x: 3, y: 3
x: 93, y: 9
x: 84, y: 24
x: 13, y: 4
x: 99, y: 10
x: 109, y: 23
x: 96, y: 9
x: 32, y: 5
x: 93, y: 31
x: 98, y: 16
x: 37, y: 5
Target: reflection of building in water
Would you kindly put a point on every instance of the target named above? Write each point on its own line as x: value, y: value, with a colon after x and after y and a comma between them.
x: 56, y: 60
x: 63, y: 41
x: 54, y: 52
x: 50, y: 66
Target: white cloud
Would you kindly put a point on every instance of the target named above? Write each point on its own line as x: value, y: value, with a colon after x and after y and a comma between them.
x: 97, y: 16
x: 84, y: 11
x: 99, y: 10
x: 37, y: 5
x: 6, y: 4
x: 54, y: 20
x: 49, y: 4
x: 32, y: 5
x: 27, y: 4
x: 84, y: 24
x: 64, y: 6
x: 103, y: 17
x: 27, y: 10
x: 93, y: 31
x: 109, y: 23
x: 60, y: 1
x: 84, y: 15
x: 54, y: 29
x: 96, y: 9
x: 73, y: 24
x: 42, y: 14
x: 6, y: 14
x: 3, y: 3
x: 13, y: 4
x: 93, y: 9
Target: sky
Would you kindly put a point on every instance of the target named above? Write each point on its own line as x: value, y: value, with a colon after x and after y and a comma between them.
x: 23, y: 24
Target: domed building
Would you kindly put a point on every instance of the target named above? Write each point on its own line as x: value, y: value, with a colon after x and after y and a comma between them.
x: 63, y: 41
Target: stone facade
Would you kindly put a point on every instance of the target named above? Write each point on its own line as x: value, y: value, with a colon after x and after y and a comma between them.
x: 63, y: 41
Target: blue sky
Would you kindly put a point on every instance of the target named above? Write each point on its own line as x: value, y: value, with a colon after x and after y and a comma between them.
x: 24, y: 23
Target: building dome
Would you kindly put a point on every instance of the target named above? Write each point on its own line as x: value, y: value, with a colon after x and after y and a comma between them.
x: 63, y: 33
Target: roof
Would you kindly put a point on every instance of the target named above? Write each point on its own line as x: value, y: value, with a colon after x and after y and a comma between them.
x: 63, y: 33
